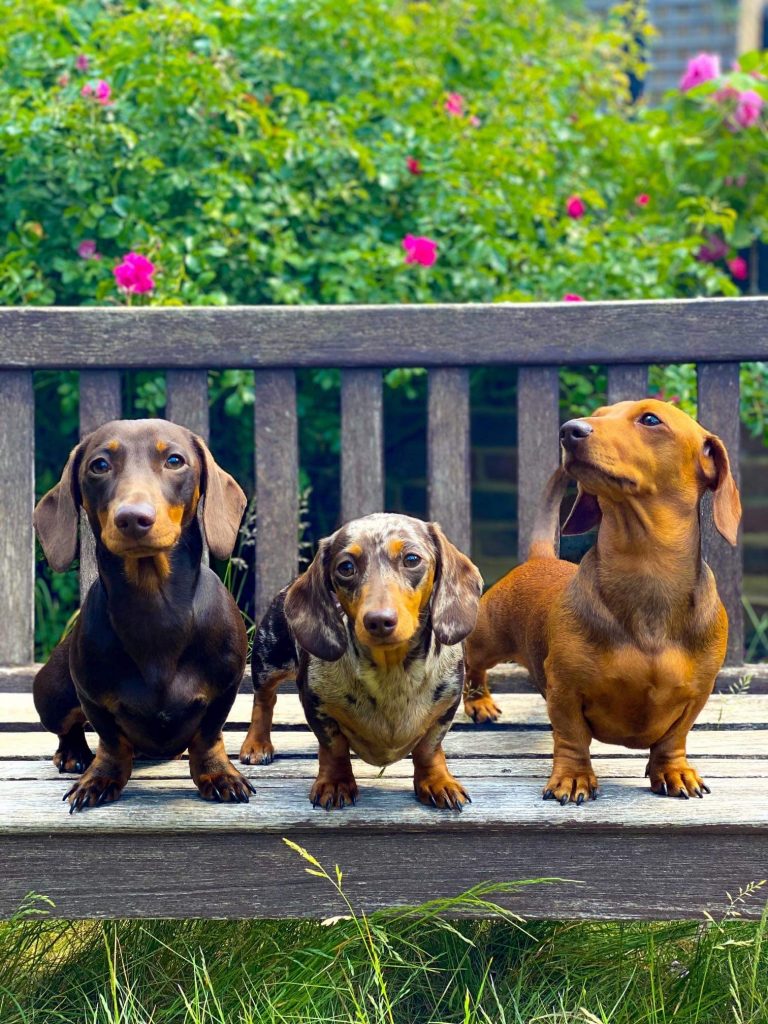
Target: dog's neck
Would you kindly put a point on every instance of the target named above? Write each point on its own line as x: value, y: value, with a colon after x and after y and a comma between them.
x: 647, y: 564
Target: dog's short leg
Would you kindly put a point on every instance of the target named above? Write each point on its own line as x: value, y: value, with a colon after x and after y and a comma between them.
x: 478, y: 702
x: 335, y: 785
x: 572, y: 777
x: 59, y: 709
x: 257, y: 746
x: 214, y: 774
x: 432, y: 782
x: 104, y: 780
x: 669, y: 770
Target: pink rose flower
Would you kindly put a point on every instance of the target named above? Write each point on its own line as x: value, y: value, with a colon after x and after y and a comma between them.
x: 575, y: 207
x: 738, y: 268
x: 413, y: 165
x: 454, y: 104
x: 643, y: 199
x: 701, y: 68
x: 573, y: 297
x: 419, y: 249
x: 748, y: 108
x: 714, y: 249
x: 87, y: 90
x: 475, y: 121
x: 63, y: 80
x: 134, y: 274
x: 81, y: 62
x: 87, y: 250
x: 101, y: 92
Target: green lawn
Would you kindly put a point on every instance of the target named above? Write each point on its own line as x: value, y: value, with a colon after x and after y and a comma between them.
x: 409, y: 967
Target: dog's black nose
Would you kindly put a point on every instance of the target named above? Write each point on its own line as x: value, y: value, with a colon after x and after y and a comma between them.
x: 135, y: 520
x: 380, y: 623
x: 572, y: 432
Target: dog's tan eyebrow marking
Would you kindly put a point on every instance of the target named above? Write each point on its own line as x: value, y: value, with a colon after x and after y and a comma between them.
x: 161, y: 446
x: 112, y: 446
x: 354, y: 549
x: 395, y: 547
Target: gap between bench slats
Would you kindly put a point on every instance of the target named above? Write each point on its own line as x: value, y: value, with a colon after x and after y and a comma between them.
x: 362, y: 443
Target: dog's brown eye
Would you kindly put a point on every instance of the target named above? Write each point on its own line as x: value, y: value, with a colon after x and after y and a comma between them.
x: 174, y: 461
x: 648, y: 419
x: 346, y: 569
x: 411, y: 560
x: 99, y: 466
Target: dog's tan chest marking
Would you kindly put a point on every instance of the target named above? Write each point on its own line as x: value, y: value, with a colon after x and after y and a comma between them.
x: 384, y: 712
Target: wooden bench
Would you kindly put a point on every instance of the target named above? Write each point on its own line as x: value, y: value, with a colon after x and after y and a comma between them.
x: 161, y: 851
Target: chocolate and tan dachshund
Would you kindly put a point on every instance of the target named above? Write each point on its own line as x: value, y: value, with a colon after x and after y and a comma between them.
x: 159, y: 647
x: 373, y: 633
x: 626, y: 646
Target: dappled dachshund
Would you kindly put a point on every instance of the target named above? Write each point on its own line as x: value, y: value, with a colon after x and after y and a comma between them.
x: 626, y: 646
x: 157, y: 653
x: 373, y: 633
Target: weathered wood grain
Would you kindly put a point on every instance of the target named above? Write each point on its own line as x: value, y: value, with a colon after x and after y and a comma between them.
x: 721, y: 711
x: 612, y: 874
x: 187, y: 400
x: 718, y: 411
x: 538, y: 446
x: 627, y: 382
x: 17, y: 498
x: 362, y: 443
x: 448, y: 447
x: 100, y: 402
x: 277, y: 483
x: 462, y: 741
x: 664, y: 330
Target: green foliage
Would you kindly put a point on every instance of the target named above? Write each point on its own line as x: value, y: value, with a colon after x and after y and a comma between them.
x: 257, y: 153
x: 398, y: 967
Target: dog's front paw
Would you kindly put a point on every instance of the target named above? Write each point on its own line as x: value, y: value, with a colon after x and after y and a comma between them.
x: 224, y: 785
x: 569, y: 785
x: 255, y: 751
x: 333, y: 792
x: 482, y: 709
x: 676, y: 778
x: 72, y: 755
x: 440, y: 789
x: 93, y: 788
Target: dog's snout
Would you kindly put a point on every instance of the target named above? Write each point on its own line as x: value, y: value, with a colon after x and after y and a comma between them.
x: 574, y: 431
x: 135, y: 520
x: 380, y: 623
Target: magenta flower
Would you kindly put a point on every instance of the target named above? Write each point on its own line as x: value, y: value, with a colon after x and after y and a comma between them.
x: 643, y: 199
x: 87, y: 90
x: 134, y: 274
x: 573, y: 297
x: 87, y: 250
x: 475, y: 121
x: 701, y: 68
x: 454, y: 105
x: 748, y: 107
x: 575, y: 207
x: 101, y: 92
x: 81, y: 62
x: 419, y: 249
x: 413, y: 165
x: 738, y: 268
x: 714, y: 249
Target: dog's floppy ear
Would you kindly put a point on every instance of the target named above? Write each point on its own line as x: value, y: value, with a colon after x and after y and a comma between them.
x: 456, y: 591
x: 584, y: 516
x: 312, y: 611
x: 223, y: 503
x: 726, y: 503
x: 56, y: 516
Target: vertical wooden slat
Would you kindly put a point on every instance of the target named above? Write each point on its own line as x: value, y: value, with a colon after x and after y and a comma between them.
x: 718, y: 409
x: 17, y: 498
x: 448, y: 446
x: 626, y: 382
x: 277, y: 483
x: 100, y: 401
x: 538, y: 444
x: 187, y: 400
x: 362, y: 443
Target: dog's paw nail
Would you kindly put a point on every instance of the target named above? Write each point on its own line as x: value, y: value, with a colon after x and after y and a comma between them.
x: 548, y: 794
x: 580, y: 799
x: 705, y: 788
x: 564, y: 800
